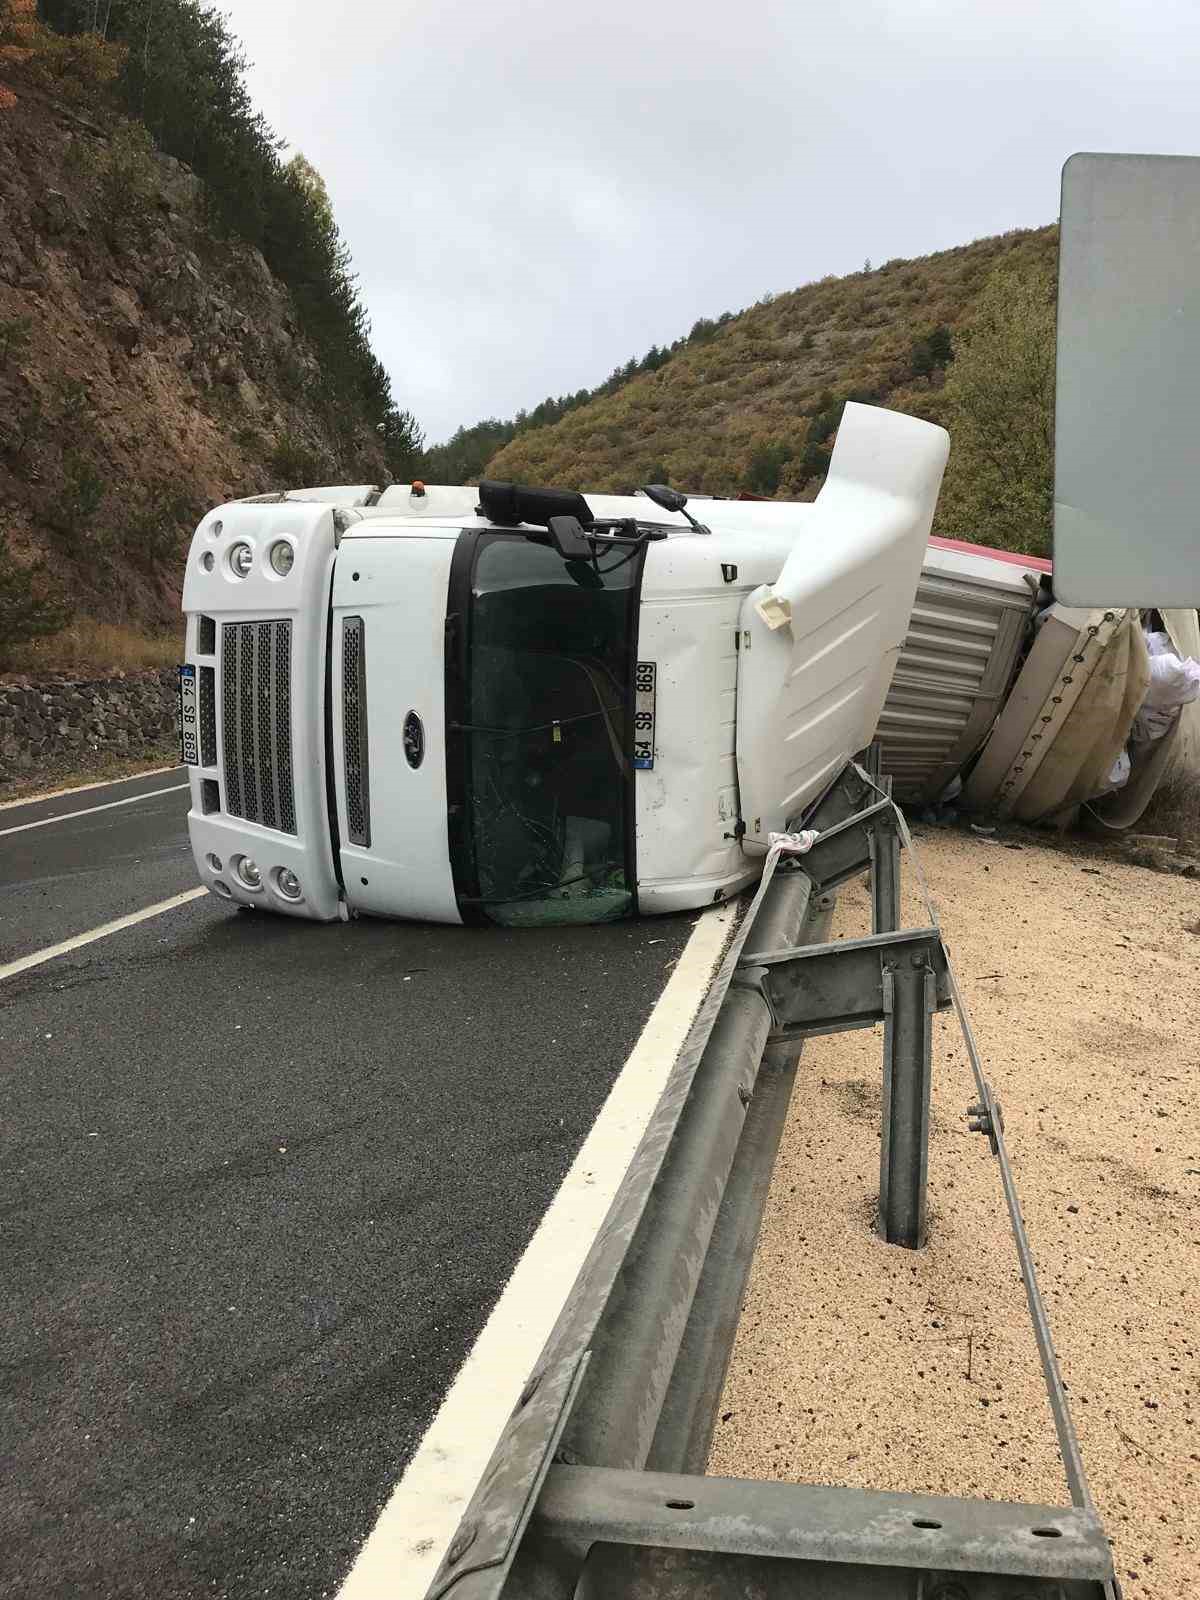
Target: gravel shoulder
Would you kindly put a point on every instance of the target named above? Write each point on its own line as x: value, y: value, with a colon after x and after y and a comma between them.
x: 82, y: 769
x: 863, y: 1365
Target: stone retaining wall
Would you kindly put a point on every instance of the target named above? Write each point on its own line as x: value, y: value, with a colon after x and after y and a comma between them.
x: 43, y: 722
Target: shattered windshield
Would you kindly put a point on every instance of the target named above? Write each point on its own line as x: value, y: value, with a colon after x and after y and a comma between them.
x: 547, y: 769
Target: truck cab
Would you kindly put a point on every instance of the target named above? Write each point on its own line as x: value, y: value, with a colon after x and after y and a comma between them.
x: 492, y: 705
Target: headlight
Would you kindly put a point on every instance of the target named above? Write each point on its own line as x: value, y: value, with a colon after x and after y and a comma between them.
x: 288, y: 884
x: 241, y: 560
x: 283, y: 557
x: 248, y: 872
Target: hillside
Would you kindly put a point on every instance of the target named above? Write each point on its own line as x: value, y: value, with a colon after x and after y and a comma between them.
x: 151, y: 361
x: 752, y: 402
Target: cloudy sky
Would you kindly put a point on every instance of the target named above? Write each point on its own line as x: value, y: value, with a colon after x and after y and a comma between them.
x: 536, y: 190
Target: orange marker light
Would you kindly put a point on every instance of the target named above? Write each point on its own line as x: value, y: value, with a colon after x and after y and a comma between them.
x: 418, y: 487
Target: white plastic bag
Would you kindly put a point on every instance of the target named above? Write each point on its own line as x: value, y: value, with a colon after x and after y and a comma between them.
x: 795, y: 844
x: 1121, y: 768
x: 1174, y: 682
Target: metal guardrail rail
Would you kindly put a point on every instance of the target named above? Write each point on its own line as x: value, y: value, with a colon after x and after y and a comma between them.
x: 596, y: 1489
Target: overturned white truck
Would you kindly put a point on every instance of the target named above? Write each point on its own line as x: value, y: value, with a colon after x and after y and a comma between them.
x: 524, y: 707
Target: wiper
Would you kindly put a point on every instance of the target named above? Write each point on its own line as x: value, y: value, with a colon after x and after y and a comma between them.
x: 517, y: 733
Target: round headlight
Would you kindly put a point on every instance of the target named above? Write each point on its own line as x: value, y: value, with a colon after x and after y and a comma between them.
x: 283, y: 557
x: 249, y: 873
x: 288, y: 884
x: 241, y: 559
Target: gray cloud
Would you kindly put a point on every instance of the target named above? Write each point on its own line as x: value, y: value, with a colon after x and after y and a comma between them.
x: 535, y: 192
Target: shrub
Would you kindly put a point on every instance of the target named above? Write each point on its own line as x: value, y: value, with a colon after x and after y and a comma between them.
x: 127, y: 182
x: 930, y: 352
x: 765, y: 470
x: 80, y: 494
x: 25, y: 612
x: 294, y: 463
x: 72, y: 401
x: 14, y: 337
x: 159, y: 529
x: 79, y: 68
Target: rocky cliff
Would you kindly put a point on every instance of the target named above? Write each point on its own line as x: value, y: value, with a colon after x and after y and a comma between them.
x: 148, y: 368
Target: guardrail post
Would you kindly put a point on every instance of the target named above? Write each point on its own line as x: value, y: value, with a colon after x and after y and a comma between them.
x: 885, y: 880
x: 909, y: 1001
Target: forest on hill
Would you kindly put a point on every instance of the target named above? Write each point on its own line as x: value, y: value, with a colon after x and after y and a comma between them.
x: 750, y: 402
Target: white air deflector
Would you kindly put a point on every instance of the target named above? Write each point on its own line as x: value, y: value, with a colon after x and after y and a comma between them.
x: 354, y: 731
x: 256, y: 722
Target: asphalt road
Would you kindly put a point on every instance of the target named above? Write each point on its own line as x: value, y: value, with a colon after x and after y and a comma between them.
x: 261, y: 1182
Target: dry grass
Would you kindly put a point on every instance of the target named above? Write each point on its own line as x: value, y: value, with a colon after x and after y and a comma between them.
x: 93, y: 648
x: 1175, y: 810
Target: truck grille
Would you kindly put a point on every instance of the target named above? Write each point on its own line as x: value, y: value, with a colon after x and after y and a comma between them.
x: 354, y: 731
x: 256, y: 722
x: 208, y: 716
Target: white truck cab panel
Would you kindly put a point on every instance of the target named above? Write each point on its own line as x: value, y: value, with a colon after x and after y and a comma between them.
x: 821, y: 640
x: 688, y: 812
x: 389, y: 720
x: 256, y: 644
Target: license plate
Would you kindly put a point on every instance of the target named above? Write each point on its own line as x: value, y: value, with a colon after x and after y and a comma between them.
x: 189, y: 740
x: 644, y: 695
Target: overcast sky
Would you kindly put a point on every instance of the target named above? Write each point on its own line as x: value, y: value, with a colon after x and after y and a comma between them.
x: 534, y: 192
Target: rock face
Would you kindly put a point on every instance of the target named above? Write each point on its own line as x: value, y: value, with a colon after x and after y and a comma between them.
x: 147, y: 369
x: 44, y: 721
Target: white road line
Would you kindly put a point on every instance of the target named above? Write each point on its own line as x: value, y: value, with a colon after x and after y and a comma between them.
x: 23, y: 963
x: 65, y: 816
x: 81, y: 788
x: 402, y: 1553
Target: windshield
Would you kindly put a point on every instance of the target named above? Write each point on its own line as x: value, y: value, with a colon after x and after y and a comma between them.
x: 547, y: 770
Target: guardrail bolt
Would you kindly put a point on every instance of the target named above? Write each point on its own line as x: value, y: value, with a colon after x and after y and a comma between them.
x: 979, y: 1121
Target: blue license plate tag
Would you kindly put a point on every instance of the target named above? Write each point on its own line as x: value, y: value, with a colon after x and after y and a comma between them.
x: 645, y: 693
x: 189, y: 737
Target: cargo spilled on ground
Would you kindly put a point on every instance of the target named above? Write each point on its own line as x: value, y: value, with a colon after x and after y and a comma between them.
x: 862, y: 1365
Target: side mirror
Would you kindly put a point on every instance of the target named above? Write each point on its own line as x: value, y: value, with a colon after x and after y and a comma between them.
x: 666, y: 499
x: 568, y: 538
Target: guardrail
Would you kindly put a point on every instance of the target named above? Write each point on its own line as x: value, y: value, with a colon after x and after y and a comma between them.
x: 596, y: 1489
